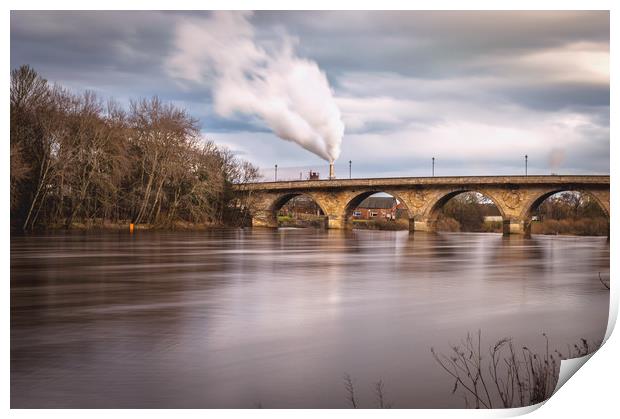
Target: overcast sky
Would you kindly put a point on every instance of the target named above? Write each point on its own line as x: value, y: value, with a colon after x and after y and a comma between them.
x: 476, y: 90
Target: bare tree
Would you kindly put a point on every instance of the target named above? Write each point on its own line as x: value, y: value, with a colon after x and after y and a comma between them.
x: 74, y: 159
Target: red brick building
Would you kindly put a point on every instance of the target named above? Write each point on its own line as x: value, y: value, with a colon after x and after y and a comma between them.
x: 379, y: 207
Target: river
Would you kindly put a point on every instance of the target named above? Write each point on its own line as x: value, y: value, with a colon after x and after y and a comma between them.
x: 275, y: 318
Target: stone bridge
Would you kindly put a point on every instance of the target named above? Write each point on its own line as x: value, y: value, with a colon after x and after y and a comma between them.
x: 516, y: 197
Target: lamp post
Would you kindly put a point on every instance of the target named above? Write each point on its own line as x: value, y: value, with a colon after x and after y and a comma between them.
x: 349, y: 169
x: 276, y: 174
x: 433, y: 172
x: 526, y: 165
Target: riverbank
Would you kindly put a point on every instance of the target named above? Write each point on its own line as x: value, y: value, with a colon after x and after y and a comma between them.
x: 598, y: 226
x: 389, y: 225
x: 301, y: 221
x: 125, y: 226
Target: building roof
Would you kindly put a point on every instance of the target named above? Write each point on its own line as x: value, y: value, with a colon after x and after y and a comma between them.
x: 378, y: 202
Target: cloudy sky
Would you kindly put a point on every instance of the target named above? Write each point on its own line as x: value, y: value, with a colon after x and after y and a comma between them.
x: 475, y: 90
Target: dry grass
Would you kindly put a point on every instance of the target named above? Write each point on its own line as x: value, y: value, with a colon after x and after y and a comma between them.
x: 381, y: 224
x: 302, y: 221
x: 579, y: 227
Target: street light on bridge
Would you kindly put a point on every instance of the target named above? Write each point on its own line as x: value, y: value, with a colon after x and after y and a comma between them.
x: 349, y: 169
x: 526, y: 165
x: 276, y: 174
x: 433, y: 172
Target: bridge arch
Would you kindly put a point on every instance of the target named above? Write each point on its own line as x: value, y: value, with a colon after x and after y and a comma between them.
x: 284, y: 199
x: 355, y: 200
x: 266, y: 211
x: 532, y: 205
x: 428, y: 220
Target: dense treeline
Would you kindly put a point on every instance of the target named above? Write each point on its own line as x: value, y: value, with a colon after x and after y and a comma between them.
x: 76, y: 160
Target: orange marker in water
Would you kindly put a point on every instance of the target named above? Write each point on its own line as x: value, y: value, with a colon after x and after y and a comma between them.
x: 131, y: 227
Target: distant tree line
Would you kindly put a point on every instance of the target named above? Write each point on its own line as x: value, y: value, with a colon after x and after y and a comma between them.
x: 77, y: 160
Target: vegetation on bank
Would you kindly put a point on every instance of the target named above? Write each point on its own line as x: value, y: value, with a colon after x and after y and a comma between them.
x: 576, y: 227
x: 302, y: 221
x: 79, y: 162
x: 381, y: 224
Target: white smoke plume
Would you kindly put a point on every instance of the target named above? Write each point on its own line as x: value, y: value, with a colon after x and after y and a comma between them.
x: 290, y: 94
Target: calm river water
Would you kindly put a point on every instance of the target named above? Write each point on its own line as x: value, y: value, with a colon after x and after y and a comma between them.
x: 242, y: 318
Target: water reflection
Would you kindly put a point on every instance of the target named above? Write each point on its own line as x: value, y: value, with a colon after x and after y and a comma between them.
x: 233, y: 318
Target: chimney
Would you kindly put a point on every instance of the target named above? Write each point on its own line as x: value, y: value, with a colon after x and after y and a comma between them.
x: 331, y: 170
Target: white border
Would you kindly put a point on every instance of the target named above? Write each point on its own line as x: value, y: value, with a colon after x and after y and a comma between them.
x: 591, y: 393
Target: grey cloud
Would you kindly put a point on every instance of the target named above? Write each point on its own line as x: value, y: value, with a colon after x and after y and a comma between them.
x: 558, y: 96
x: 432, y: 44
x: 108, y: 40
